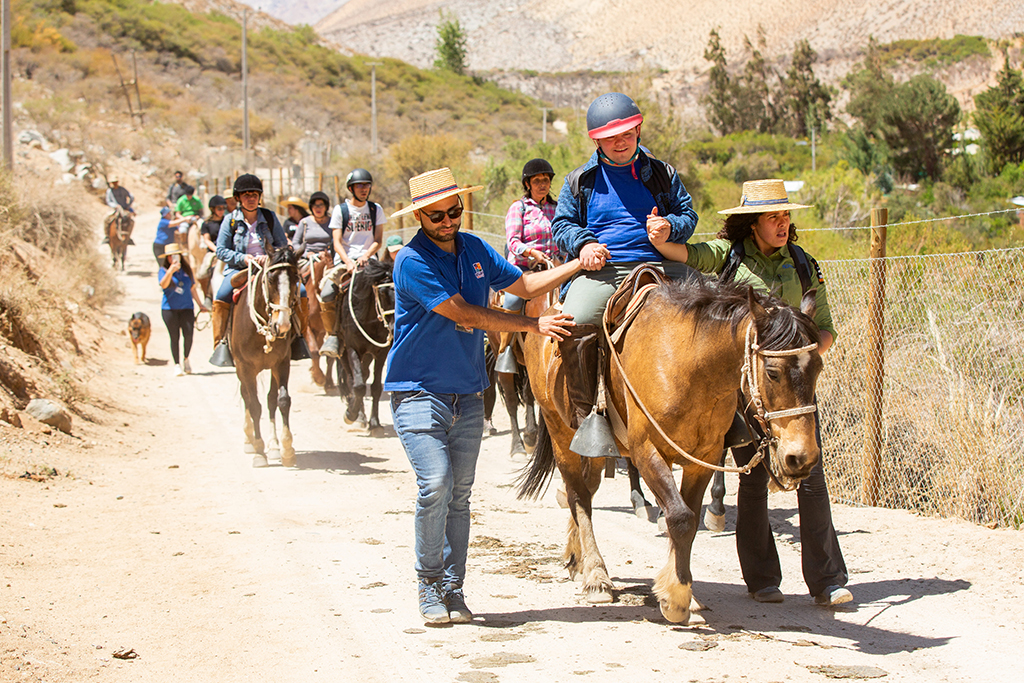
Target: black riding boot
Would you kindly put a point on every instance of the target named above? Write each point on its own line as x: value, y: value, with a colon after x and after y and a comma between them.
x: 579, y: 360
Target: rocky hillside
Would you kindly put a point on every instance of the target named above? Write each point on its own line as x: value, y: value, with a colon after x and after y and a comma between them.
x: 567, y: 35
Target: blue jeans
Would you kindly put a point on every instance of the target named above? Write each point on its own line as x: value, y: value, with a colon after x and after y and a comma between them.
x: 441, y: 434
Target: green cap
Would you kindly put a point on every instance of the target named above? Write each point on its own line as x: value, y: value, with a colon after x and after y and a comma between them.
x: 394, y: 241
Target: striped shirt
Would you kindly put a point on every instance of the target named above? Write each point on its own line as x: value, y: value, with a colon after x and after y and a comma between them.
x: 528, y: 226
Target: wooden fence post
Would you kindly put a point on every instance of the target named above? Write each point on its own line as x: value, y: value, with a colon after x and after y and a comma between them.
x: 337, y: 191
x: 400, y: 219
x: 874, y: 397
x: 320, y: 183
x: 469, y: 211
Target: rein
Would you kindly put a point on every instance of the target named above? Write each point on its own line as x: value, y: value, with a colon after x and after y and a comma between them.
x: 263, y: 324
x: 750, y: 353
x: 381, y: 313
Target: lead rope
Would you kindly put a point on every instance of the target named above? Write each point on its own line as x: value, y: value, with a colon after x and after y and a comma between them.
x: 379, y: 345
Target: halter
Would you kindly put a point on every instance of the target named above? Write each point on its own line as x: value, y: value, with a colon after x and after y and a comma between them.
x: 753, y: 356
x: 381, y: 312
x: 263, y: 325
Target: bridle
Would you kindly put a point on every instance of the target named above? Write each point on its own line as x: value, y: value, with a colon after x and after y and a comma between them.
x: 119, y: 220
x: 263, y: 326
x: 753, y: 360
x: 382, y: 313
x: 767, y: 444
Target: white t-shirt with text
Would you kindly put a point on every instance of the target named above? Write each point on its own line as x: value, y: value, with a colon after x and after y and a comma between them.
x: 358, y: 236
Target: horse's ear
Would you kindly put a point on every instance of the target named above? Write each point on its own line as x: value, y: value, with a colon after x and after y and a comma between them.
x: 300, y: 251
x: 756, y: 309
x: 809, y: 303
x: 270, y: 250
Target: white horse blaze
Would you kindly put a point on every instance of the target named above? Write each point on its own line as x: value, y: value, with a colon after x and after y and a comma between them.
x: 283, y: 313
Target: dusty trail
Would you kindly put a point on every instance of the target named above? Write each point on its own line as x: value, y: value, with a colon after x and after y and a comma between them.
x: 167, y: 542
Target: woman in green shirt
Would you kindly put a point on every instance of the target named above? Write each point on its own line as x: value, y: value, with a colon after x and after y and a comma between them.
x: 760, y: 232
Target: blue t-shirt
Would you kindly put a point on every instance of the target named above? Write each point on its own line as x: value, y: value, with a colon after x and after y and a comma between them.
x: 617, y: 213
x: 164, y: 232
x: 179, y: 295
x: 429, y: 353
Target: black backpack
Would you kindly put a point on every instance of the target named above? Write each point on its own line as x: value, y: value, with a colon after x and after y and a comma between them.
x: 345, y: 215
x: 800, y: 260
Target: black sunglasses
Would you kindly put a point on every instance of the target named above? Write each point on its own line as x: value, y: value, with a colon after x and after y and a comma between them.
x: 438, y: 216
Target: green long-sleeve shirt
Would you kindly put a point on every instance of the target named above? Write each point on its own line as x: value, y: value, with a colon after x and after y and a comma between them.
x: 775, y: 274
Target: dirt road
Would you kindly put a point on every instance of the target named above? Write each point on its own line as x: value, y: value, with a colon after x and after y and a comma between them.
x: 158, y: 537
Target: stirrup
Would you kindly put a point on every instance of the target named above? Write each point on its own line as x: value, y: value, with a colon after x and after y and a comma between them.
x: 594, y: 438
x: 299, y: 349
x: 738, y: 434
x: 221, y: 357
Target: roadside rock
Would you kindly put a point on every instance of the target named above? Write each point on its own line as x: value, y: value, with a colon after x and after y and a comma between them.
x: 63, y: 158
x: 51, y: 413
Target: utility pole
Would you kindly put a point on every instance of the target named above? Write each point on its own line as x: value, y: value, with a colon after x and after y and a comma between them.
x: 7, y: 133
x: 544, y: 124
x: 245, y: 88
x: 373, y: 106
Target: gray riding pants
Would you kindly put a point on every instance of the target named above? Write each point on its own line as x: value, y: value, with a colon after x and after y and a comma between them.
x: 590, y: 290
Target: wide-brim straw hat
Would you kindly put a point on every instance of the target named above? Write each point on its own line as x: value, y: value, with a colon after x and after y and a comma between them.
x: 172, y: 249
x: 762, y: 196
x: 295, y: 201
x: 433, y: 186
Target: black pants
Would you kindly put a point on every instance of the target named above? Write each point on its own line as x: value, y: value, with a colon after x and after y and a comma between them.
x: 183, y: 322
x: 820, y: 555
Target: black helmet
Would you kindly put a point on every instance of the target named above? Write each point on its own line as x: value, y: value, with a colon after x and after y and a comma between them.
x: 247, y: 182
x: 536, y: 167
x: 359, y: 175
x: 611, y: 114
x: 321, y: 196
x: 216, y: 200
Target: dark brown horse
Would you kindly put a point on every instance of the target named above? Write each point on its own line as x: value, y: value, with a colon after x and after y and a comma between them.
x: 672, y: 386
x: 118, y: 227
x: 262, y: 329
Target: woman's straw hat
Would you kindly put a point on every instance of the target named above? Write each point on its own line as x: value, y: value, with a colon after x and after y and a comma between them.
x: 173, y: 248
x: 295, y: 201
x: 762, y: 196
x: 433, y: 186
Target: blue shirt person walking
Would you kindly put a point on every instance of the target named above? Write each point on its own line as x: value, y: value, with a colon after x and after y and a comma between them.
x: 436, y: 374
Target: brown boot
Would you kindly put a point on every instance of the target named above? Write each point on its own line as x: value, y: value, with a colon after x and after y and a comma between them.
x: 302, y: 318
x: 579, y: 361
x: 221, y: 312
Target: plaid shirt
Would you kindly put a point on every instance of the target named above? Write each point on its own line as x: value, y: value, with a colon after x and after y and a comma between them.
x: 528, y: 226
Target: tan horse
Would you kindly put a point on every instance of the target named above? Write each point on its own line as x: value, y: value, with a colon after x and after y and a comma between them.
x: 672, y: 388
x: 118, y: 228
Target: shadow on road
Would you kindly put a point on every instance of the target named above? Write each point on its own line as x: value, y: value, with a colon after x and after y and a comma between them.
x: 339, y: 462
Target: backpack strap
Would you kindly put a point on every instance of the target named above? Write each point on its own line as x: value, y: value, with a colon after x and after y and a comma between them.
x: 373, y: 215
x: 803, y: 268
x: 732, y: 263
x: 574, y: 180
x: 344, y: 216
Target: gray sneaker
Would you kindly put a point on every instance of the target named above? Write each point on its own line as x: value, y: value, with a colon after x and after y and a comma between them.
x: 432, y: 607
x: 458, y: 613
x: 833, y: 595
x: 768, y: 594
x: 330, y: 347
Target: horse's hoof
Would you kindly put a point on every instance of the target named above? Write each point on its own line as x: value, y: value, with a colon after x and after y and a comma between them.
x: 563, y: 501
x: 249, y: 448
x: 288, y: 460
x: 601, y: 596
x: 713, y: 522
x: 377, y: 432
x: 530, y: 439
x: 648, y: 513
x: 662, y: 524
x: 274, y: 455
x: 318, y: 380
x: 259, y: 460
x: 517, y: 452
x: 675, y: 614
x: 347, y: 420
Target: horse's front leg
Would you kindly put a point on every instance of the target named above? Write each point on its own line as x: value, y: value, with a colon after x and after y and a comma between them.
x: 254, y: 442
x: 714, y: 515
x: 284, y: 404
x: 357, y: 390
x: 273, y: 447
x: 376, y: 389
x: 506, y: 382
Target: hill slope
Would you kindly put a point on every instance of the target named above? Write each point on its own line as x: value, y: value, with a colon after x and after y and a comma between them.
x: 565, y: 35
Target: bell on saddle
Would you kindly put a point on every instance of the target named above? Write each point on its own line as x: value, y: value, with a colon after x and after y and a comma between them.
x: 221, y: 357
x: 506, y: 362
x: 594, y: 438
x: 300, y: 350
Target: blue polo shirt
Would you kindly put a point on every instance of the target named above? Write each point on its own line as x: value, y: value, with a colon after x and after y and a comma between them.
x: 429, y: 353
x: 164, y: 232
x: 617, y: 213
x: 178, y: 295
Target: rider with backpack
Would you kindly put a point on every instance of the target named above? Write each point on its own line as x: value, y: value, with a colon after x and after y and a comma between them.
x: 358, y: 227
x: 756, y: 246
x: 604, y: 211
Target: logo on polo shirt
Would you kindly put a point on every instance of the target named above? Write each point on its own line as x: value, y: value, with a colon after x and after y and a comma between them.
x: 479, y: 270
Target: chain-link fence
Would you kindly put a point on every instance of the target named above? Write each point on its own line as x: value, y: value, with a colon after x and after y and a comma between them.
x: 952, y: 398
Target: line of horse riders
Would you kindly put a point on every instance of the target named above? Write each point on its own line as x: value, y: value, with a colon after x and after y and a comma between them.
x: 663, y: 366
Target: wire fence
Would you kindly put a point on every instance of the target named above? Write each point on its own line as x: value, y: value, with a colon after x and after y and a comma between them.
x: 952, y: 419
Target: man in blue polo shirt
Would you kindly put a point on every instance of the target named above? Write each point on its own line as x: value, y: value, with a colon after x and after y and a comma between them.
x: 436, y: 374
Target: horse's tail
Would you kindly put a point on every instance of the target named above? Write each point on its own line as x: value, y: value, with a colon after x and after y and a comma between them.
x: 534, y: 477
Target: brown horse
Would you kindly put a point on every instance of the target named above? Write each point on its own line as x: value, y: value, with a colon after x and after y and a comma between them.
x: 672, y: 386
x: 118, y: 227
x: 315, y: 332
x: 262, y: 329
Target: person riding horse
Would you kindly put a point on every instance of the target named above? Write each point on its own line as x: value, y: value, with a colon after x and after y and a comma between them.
x: 313, y: 235
x: 604, y: 211
x: 756, y: 246
x: 246, y: 236
x: 120, y: 200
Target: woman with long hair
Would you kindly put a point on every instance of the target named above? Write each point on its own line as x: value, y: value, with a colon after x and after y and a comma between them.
x: 180, y: 290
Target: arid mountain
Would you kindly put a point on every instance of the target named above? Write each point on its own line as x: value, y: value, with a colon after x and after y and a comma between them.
x: 566, y: 35
x: 296, y: 11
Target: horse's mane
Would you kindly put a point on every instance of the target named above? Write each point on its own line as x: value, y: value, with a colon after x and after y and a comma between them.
x: 284, y: 255
x: 711, y: 302
x: 373, y: 273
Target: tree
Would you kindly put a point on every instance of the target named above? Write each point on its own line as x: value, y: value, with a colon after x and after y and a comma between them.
x: 870, y: 87
x: 451, y: 44
x: 721, y: 97
x: 807, y: 102
x: 753, y: 97
x: 917, y: 123
x: 1000, y: 118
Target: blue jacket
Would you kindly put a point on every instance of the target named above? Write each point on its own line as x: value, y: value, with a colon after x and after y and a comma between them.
x: 232, y: 241
x: 571, y: 233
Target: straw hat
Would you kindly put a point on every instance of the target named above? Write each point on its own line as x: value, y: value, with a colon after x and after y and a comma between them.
x: 295, y: 201
x: 433, y: 186
x: 172, y: 249
x: 762, y: 196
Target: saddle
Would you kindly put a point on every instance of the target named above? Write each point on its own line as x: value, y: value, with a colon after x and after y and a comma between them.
x: 630, y: 296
